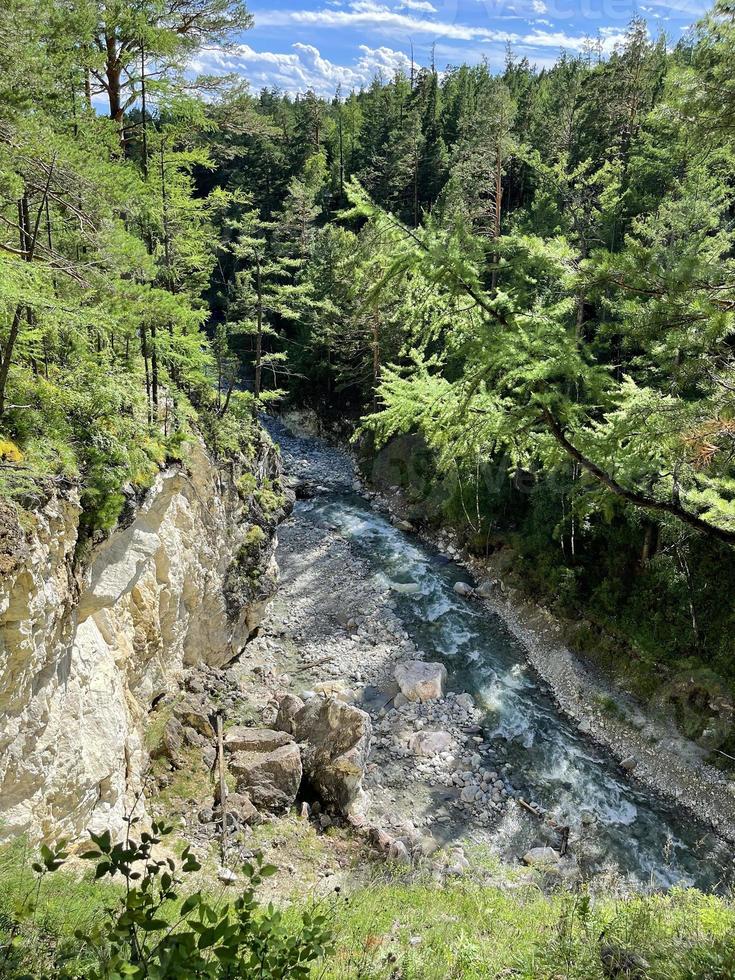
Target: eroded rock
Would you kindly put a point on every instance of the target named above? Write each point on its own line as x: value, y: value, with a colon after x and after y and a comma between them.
x: 541, y: 857
x: 242, y: 739
x: 271, y: 779
x: 420, y: 681
x: 335, y: 742
x: 430, y: 743
x: 288, y: 706
x: 171, y: 741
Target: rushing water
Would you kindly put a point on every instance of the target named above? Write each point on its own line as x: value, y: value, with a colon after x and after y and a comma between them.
x: 550, y: 762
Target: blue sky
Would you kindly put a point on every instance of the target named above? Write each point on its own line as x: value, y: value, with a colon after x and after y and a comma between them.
x: 298, y: 44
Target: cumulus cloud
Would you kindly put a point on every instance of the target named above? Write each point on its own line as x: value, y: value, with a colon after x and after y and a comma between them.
x: 304, y: 67
x: 375, y: 16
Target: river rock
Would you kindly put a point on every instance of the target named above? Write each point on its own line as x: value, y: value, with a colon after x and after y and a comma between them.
x: 241, y: 739
x: 398, y: 853
x: 630, y: 763
x: 288, y: 706
x: 466, y: 702
x: 194, y: 713
x: 541, y: 857
x: 242, y: 806
x: 169, y: 746
x: 463, y: 589
x: 430, y: 743
x: 420, y: 681
x: 271, y: 779
x: 335, y: 742
x: 486, y: 588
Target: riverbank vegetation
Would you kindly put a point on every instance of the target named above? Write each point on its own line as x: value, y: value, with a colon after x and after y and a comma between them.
x: 62, y: 924
x: 106, y: 249
x: 530, y: 270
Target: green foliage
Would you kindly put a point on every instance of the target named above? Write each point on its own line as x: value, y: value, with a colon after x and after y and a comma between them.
x: 156, y: 927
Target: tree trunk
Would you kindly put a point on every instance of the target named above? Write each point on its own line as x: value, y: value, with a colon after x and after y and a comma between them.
x: 144, y: 352
x: 650, y: 543
x: 259, y: 334
x: 166, y: 228
x: 8, y: 354
x: 144, y: 111
x: 154, y: 371
x: 113, y: 75
x: 498, y: 209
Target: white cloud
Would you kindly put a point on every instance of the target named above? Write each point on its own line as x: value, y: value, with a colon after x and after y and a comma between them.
x: 367, y: 14
x: 423, y: 6
x: 304, y: 68
x: 539, y: 7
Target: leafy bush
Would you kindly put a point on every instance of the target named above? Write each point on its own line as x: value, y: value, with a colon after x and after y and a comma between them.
x: 151, y: 931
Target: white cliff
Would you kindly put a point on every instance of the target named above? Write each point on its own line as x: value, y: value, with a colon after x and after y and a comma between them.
x: 83, y: 657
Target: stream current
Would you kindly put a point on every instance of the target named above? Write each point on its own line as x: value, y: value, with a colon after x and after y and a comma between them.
x: 628, y: 830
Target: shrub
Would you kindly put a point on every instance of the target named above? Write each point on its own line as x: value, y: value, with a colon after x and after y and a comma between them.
x: 149, y: 931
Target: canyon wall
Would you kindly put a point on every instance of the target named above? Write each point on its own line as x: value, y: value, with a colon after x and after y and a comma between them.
x: 84, y: 654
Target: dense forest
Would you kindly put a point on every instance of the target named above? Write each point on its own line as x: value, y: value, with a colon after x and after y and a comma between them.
x: 531, y: 271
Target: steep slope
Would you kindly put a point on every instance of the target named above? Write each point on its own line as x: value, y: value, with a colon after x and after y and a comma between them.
x: 86, y: 654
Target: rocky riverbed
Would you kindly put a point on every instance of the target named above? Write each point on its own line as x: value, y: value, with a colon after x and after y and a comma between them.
x: 424, y: 735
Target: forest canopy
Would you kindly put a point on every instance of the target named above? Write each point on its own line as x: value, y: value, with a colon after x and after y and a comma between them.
x: 531, y: 269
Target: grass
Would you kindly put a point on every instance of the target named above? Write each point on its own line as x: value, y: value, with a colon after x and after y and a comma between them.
x: 401, y: 926
x: 37, y: 925
x: 470, y: 931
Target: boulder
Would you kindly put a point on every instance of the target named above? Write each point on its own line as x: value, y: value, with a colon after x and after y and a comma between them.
x: 270, y: 779
x: 241, y: 739
x: 541, y: 857
x: 421, y: 681
x: 336, y: 689
x: 463, y: 589
x: 398, y: 853
x: 288, y: 706
x: 194, y: 713
x: 242, y: 806
x: 335, y: 742
x: 466, y: 702
x: 486, y: 589
x: 430, y: 743
x: 169, y: 745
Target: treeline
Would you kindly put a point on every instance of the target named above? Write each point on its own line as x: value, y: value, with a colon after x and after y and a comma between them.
x: 106, y: 247
x: 534, y: 271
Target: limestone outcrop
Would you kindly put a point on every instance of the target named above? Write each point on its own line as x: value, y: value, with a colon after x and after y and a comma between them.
x: 269, y: 776
x: 85, y: 654
x: 335, y: 743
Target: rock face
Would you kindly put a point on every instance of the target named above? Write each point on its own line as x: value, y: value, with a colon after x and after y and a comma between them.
x: 271, y: 778
x: 83, y: 655
x: 335, y: 742
x: 242, y: 739
x: 420, y: 681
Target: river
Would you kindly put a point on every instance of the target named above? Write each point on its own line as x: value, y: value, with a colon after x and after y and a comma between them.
x: 624, y: 827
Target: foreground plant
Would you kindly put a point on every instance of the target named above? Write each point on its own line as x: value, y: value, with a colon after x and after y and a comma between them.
x: 151, y: 932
